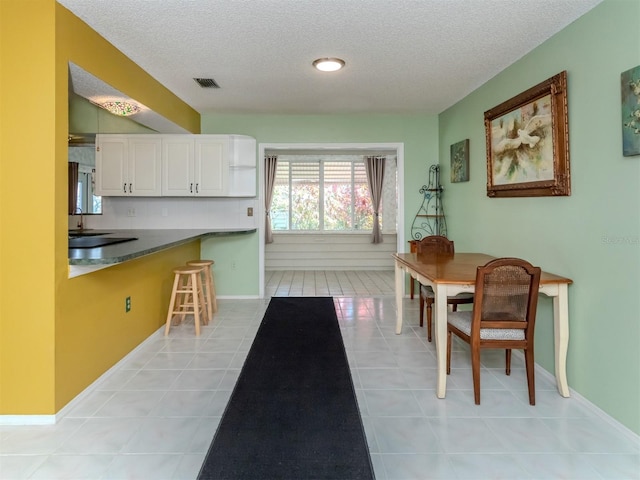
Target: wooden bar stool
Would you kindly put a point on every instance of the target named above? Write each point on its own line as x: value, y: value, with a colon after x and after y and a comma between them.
x: 187, y: 297
x: 208, y: 284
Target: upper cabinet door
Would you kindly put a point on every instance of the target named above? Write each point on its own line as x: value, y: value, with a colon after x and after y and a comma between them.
x: 112, y: 155
x: 144, y: 168
x: 177, y: 166
x: 211, y: 166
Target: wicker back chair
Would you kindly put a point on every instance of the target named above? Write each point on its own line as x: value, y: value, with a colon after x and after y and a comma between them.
x: 503, y: 316
x: 437, y: 245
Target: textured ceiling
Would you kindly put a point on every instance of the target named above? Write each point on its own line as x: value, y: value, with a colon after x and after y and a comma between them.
x: 402, y: 56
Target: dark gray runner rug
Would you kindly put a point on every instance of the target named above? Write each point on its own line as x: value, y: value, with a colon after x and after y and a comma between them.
x: 293, y: 412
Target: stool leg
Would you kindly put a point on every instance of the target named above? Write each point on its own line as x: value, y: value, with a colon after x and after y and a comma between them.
x: 203, y: 301
x: 196, y: 294
x: 207, y: 316
x: 172, y: 302
x: 212, y: 287
x: 207, y: 292
x: 207, y: 295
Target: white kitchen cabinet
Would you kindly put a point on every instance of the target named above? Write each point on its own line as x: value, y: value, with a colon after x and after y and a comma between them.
x: 176, y: 165
x: 194, y: 165
x: 128, y: 165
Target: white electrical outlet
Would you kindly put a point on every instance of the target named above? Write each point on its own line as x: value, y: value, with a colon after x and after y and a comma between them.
x: 131, y: 212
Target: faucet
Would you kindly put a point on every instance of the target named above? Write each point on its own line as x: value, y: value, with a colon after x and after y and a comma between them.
x: 81, y: 222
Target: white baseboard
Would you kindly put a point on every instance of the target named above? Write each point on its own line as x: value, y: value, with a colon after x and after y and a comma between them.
x: 238, y: 297
x: 52, y: 419
x: 597, y: 411
x: 27, y: 420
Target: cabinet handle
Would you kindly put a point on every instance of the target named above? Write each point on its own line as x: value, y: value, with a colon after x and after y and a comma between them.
x: 130, y: 191
x: 191, y: 188
x: 197, y: 188
x: 124, y: 187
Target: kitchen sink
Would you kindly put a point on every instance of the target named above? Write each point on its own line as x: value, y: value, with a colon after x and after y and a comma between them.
x: 85, y: 233
x: 94, y: 241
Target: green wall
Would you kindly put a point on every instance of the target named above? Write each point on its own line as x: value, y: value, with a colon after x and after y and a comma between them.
x: 592, y: 236
x: 419, y: 133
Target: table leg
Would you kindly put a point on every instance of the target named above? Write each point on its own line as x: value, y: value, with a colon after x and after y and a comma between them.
x: 399, y: 289
x: 411, y: 286
x: 561, y: 337
x: 440, y: 312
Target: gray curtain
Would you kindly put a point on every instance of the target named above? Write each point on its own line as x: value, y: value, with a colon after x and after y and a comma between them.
x: 375, y: 175
x: 73, y: 187
x: 270, y: 163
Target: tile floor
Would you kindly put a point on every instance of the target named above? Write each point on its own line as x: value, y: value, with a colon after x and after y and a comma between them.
x: 154, y: 415
x: 288, y: 283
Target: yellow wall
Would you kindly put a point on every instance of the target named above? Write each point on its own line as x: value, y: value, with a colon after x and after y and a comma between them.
x: 53, y: 340
x: 93, y: 331
x: 27, y: 248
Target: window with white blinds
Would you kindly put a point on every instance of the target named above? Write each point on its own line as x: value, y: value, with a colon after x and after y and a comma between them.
x: 312, y: 193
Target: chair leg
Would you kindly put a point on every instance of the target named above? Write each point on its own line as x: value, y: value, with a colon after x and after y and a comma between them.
x: 508, y: 361
x: 448, y: 352
x: 429, y: 317
x: 531, y: 382
x: 475, y: 367
x: 421, y: 309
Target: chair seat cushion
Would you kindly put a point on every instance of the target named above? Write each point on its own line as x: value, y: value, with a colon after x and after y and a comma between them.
x: 427, y: 292
x: 462, y: 321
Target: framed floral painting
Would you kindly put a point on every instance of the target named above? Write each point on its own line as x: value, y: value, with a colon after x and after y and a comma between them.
x: 630, y: 90
x: 528, y: 143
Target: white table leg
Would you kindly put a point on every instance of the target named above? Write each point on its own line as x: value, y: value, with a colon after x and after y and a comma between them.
x: 440, y: 311
x: 561, y: 336
x: 399, y: 291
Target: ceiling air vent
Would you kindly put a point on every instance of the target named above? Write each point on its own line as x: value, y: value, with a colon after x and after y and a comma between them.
x: 207, y: 82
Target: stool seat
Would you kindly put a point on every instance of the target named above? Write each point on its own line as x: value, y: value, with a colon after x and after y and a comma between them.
x: 208, y: 284
x: 187, y: 297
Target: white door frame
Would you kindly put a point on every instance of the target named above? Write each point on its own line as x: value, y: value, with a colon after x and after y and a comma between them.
x: 398, y: 147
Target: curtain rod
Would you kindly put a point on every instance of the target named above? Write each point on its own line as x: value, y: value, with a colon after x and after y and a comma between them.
x: 329, y: 151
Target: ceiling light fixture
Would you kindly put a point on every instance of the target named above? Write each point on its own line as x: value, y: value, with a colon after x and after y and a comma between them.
x: 122, y: 109
x: 328, y: 64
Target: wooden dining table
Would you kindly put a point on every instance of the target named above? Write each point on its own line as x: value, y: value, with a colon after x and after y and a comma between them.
x: 453, y: 274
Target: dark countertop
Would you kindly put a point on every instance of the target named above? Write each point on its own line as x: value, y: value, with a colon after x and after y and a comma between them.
x: 149, y: 241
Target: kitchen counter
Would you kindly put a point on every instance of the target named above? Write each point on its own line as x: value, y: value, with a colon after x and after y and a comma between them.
x: 86, y: 260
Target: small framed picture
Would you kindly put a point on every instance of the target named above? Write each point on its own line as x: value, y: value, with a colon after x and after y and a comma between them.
x: 630, y: 90
x: 460, y: 161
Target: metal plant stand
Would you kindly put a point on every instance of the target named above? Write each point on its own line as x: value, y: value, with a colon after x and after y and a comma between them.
x: 430, y: 218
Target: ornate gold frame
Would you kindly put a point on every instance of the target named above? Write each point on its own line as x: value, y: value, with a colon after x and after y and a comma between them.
x: 511, y: 149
